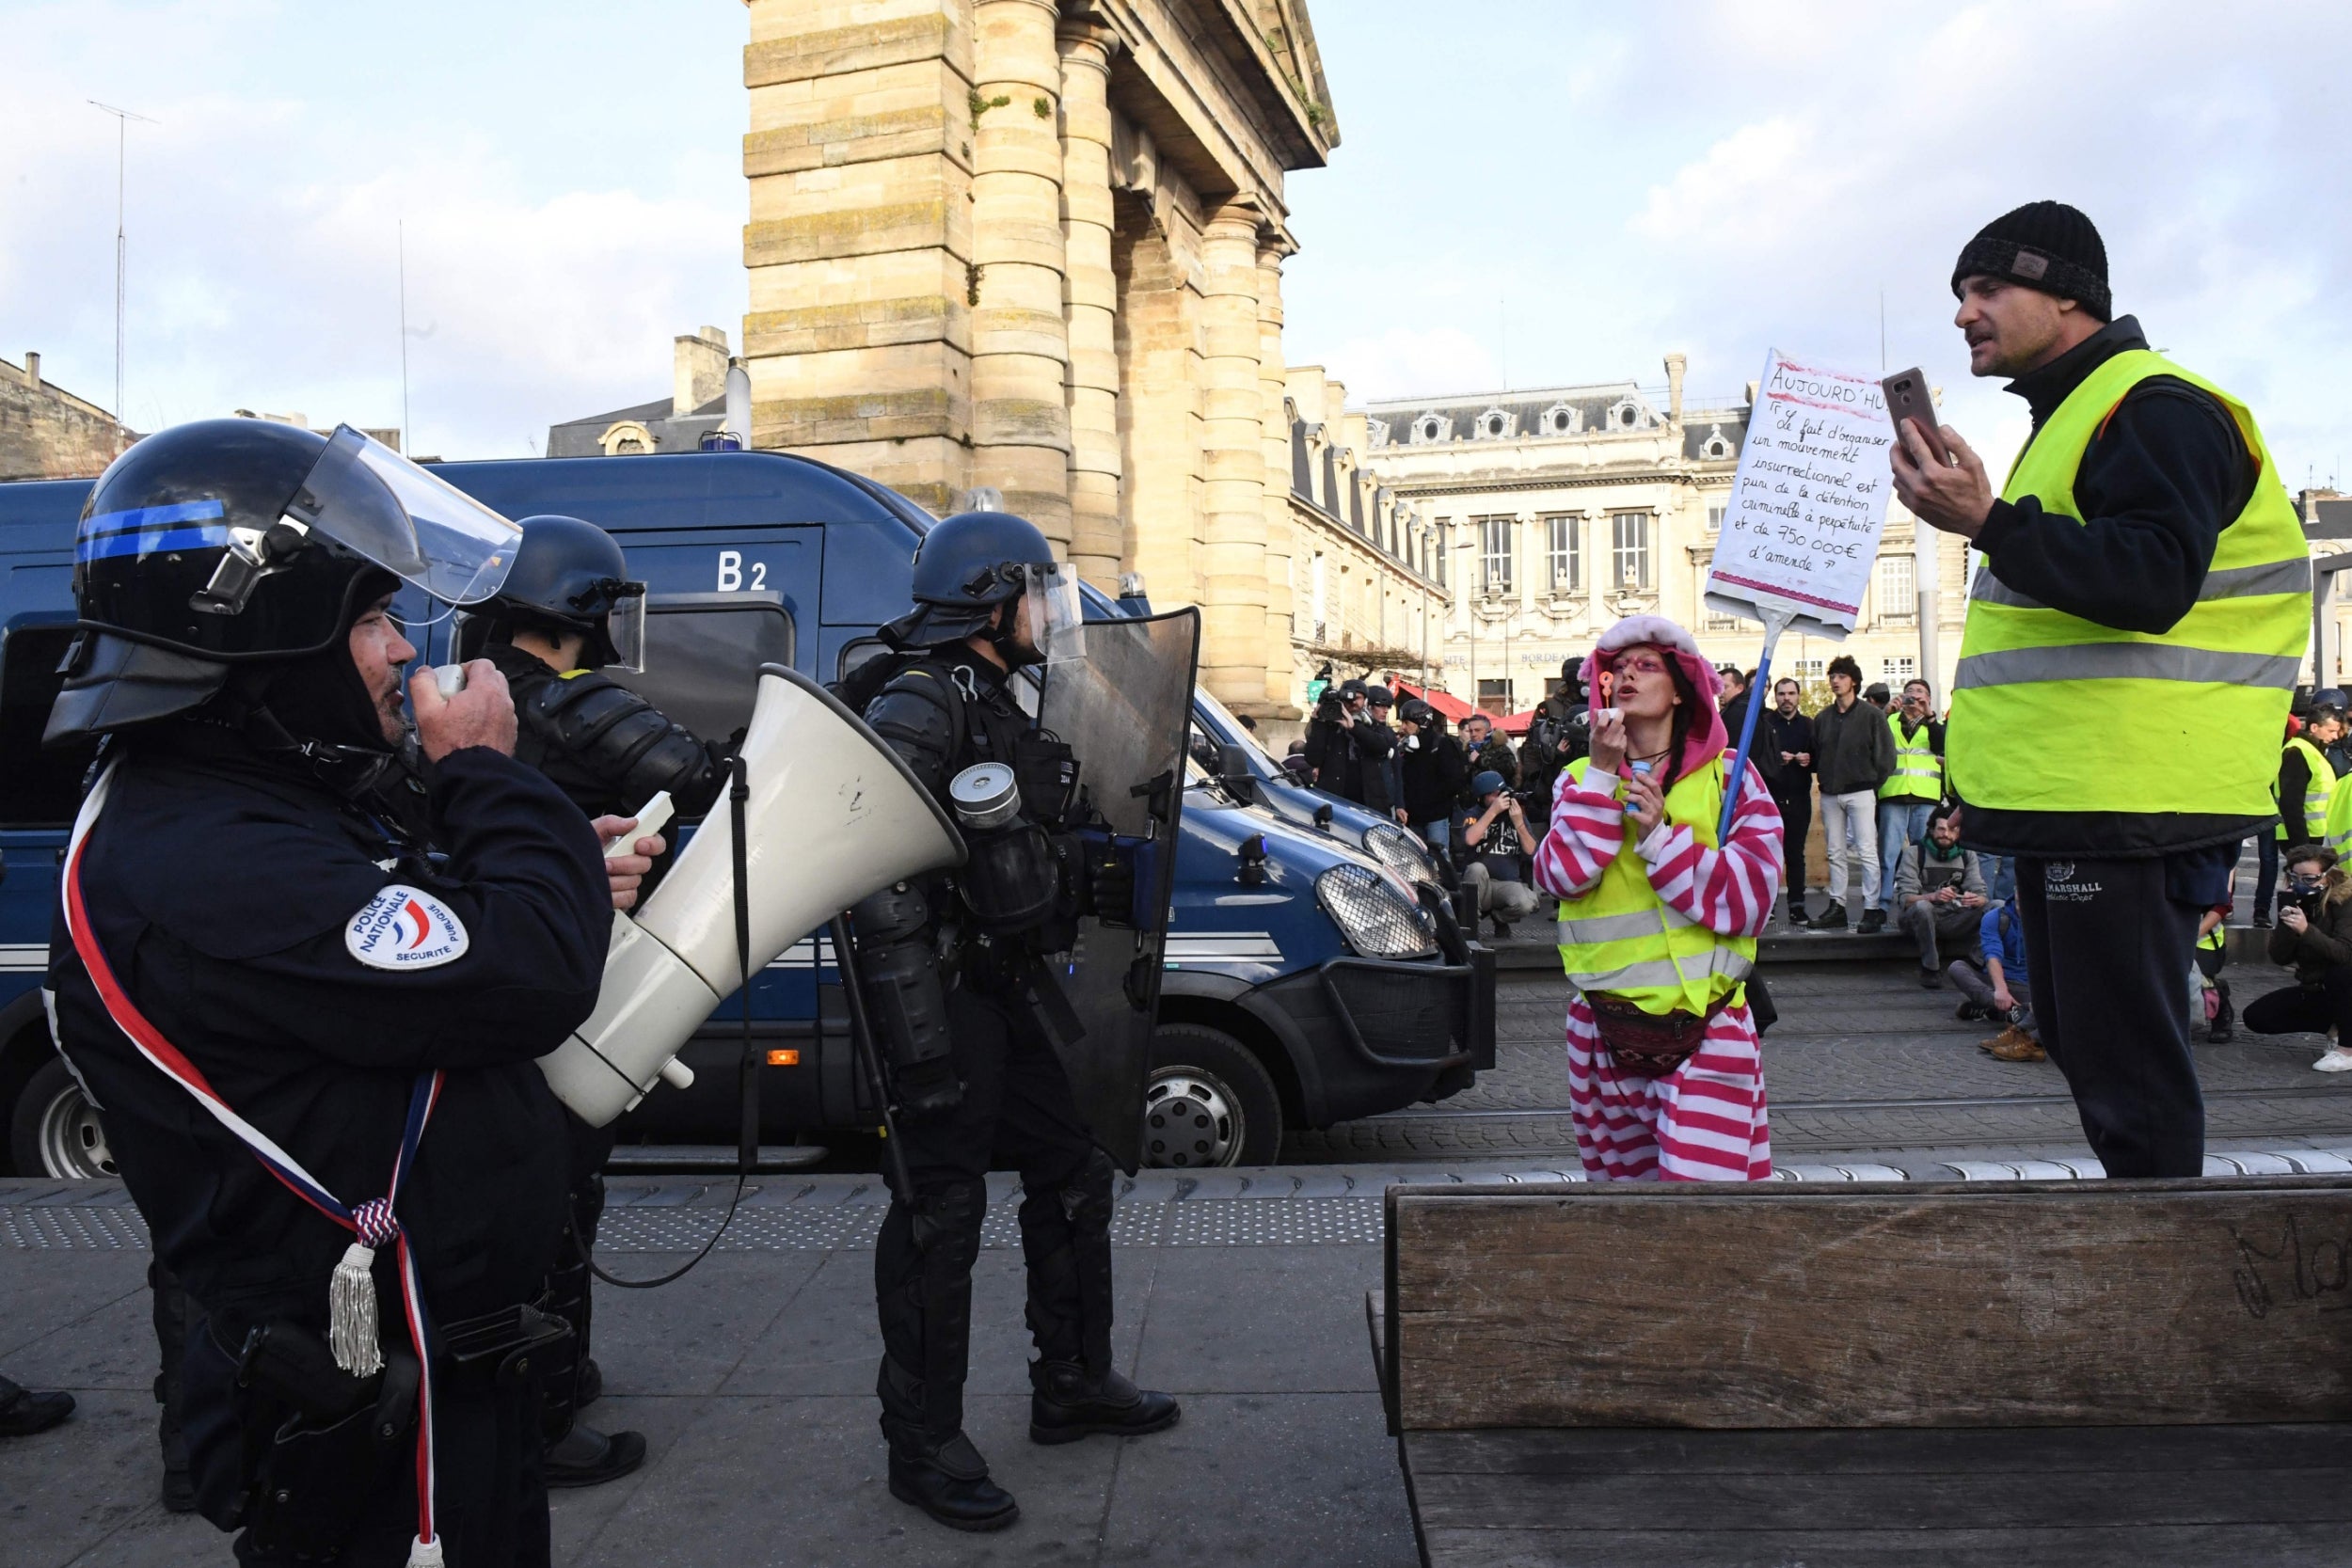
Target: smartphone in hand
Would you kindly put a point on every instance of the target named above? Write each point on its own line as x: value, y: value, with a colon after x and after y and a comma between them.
x: 1907, y: 398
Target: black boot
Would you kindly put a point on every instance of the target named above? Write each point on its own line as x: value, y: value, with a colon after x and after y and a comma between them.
x: 1067, y: 1403
x: 1796, y: 910
x: 1833, y: 918
x: 1873, y: 922
x: 586, y: 1457
x: 23, y: 1412
x: 2224, y: 1017
x: 932, y: 1464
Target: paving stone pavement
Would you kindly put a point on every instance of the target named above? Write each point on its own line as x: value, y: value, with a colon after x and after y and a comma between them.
x: 1863, y: 1058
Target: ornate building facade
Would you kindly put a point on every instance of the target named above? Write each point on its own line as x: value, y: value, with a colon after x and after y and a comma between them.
x: 1038, y: 247
x: 1557, y: 510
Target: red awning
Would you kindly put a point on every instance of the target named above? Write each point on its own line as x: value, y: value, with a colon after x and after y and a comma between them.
x: 1516, y: 723
x: 1444, y: 702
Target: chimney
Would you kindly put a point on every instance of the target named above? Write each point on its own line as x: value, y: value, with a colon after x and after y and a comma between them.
x: 1676, y: 365
x: 698, y: 371
x: 32, y: 370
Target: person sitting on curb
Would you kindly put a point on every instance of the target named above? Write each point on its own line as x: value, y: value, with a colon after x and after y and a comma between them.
x: 2314, y: 934
x: 1496, y: 841
x: 1939, y: 887
x: 2211, y: 956
x: 1999, y: 985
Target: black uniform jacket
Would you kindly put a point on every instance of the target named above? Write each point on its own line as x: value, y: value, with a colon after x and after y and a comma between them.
x: 606, y: 748
x: 223, y: 891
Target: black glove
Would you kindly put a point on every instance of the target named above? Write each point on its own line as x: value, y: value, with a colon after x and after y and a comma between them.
x: 928, y: 1089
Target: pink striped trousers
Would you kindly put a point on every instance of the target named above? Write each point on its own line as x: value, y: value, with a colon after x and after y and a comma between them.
x: 1705, y: 1121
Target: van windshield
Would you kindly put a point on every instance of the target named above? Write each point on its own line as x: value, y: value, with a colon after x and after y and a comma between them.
x: 1234, y: 734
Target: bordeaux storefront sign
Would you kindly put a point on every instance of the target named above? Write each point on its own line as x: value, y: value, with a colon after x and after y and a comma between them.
x: 1809, y: 502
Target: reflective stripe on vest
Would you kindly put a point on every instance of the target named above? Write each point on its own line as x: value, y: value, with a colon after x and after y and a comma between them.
x: 2337, y: 832
x: 2052, y: 712
x: 1919, y: 771
x: 2318, y: 795
x: 1622, y: 938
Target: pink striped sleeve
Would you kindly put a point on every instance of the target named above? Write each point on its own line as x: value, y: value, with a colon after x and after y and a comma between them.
x: 1587, y: 830
x: 1731, y: 890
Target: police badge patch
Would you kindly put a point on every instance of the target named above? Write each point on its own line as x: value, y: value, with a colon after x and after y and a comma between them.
x: 404, y: 928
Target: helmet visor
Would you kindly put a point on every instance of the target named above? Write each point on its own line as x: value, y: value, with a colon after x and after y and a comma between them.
x: 1053, y: 613
x: 624, y: 629
x: 426, y: 531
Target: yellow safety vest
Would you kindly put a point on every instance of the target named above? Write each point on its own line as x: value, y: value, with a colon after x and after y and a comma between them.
x: 2318, y: 795
x: 2215, y: 939
x: 2054, y: 713
x: 1623, y: 938
x: 1919, y: 771
x: 2336, y: 833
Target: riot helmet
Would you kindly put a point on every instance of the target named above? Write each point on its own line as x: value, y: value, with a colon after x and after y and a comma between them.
x: 975, y: 560
x: 226, y: 544
x: 569, y: 576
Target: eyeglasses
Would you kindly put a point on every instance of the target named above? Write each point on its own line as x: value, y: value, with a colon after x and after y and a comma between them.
x: 1639, y: 664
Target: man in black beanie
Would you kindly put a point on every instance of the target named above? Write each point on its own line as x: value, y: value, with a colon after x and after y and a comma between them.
x: 2134, y: 635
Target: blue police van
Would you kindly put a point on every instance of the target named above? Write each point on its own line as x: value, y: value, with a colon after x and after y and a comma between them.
x: 1315, y: 970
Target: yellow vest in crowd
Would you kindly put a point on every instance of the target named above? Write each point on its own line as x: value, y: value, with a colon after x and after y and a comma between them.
x: 1919, y: 771
x: 2336, y: 833
x: 2054, y: 713
x: 2318, y: 795
x: 1623, y: 938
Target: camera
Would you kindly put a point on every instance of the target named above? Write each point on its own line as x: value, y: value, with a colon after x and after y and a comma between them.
x: 1330, y: 705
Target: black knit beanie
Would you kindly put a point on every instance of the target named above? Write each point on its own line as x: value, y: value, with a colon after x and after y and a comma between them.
x: 2046, y: 245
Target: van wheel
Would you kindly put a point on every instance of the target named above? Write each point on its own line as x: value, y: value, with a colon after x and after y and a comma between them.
x: 1210, y: 1102
x: 55, y: 1132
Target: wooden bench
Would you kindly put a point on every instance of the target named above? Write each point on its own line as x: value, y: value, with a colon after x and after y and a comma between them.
x: 2134, y: 1373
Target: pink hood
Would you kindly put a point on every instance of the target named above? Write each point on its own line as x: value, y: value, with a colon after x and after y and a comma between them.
x: 1708, y: 739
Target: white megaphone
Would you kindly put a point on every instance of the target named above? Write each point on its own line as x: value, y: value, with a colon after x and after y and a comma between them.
x: 834, y: 816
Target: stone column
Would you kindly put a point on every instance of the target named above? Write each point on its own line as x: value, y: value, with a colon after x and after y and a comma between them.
x: 1160, y: 419
x: 1234, y: 464
x: 1020, y: 344
x: 858, y: 338
x: 1281, y: 545
x: 1087, y: 219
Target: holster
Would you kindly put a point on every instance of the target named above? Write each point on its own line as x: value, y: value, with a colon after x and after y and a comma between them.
x: 501, y: 1351
x: 326, y: 1462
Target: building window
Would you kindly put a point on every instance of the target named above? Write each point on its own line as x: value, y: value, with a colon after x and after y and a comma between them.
x: 1717, y: 447
x: 1719, y: 621
x: 1562, y: 542
x: 1898, y: 598
x: 1496, y: 537
x: 1630, y: 541
x: 1432, y: 427
x: 1812, y: 669
x: 1715, y: 519
x: 1494, y: 697
x: 1560, y: 419
x: 1494, y: 424
x: 1895, y: 672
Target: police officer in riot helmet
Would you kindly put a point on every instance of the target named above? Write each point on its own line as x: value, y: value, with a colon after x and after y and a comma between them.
x: 309, y: 1033
x: 1560, y: 733
x: 568, y: 612
x: 956, y: 999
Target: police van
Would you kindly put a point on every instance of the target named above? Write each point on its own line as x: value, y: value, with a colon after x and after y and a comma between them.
x: 1298, y: 991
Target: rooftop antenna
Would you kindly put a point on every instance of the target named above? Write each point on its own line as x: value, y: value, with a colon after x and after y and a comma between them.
x: 122, y: 137
x: 407, y: 437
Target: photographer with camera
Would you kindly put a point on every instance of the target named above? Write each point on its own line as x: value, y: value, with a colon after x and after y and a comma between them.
x: 1349, y: 750
x: 2315, y: 935
x: 1433, y: 771
x: 1497, y: 843
x: 1561, y: 733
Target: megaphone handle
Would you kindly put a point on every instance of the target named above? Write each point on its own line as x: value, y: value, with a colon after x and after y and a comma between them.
x: 862, y: 1041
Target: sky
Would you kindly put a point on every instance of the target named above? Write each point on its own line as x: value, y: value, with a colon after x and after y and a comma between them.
x: 1530, y: 192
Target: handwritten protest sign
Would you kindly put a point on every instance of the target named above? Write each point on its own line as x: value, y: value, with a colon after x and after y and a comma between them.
x: 1809, y: 503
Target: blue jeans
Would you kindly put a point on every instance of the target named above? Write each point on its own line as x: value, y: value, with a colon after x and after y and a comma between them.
x: 1901, y: 822
x: 1438, y: 834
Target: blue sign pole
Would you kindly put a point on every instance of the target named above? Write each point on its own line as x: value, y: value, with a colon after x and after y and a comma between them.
x: 1776, y: 622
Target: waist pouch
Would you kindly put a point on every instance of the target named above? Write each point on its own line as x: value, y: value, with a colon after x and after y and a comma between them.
x: 1648, y: 1045
x: 500, y: 1351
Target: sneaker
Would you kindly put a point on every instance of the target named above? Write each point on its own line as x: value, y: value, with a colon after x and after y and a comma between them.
x: 2337, y: 1060
x: 1831, y: 919
x: 1929, y: 980
x: 1873, y: 922
x: 2262, y: 921
x: 1971, y: 1012
x: 2014, y: 1045
x: 1797, y: 915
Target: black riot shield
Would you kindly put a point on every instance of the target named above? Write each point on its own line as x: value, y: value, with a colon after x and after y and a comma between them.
x: 1125, y: 711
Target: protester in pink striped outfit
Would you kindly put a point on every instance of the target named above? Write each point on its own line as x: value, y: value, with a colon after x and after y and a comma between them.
x: 1658, y: 921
